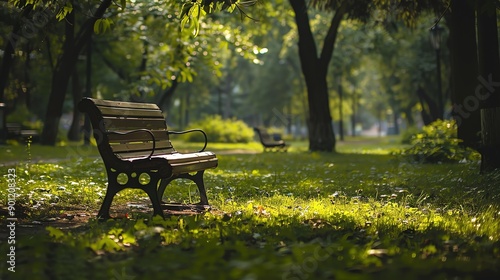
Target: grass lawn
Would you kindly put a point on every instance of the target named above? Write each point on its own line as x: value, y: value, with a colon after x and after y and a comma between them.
x: 361, y: 213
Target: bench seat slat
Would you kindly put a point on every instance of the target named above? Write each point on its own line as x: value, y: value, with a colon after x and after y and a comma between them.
x: 174, y: 157
x: 180, y: 158
x: 191, y: 165
x: 198, y: 166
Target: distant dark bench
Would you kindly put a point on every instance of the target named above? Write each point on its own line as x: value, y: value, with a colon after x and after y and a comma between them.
x: 18, y: 132
x: 133, y: 139
x: 269, y: 142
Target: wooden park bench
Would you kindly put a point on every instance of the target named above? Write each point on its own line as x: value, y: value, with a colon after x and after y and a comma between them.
x: 18, y: 132
x: 133, y: 139
x: 269, y: 142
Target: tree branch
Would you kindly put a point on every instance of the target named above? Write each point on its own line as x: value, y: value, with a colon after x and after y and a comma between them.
x: 331, y: 36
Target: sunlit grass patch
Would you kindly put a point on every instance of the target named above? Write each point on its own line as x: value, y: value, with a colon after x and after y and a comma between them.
x: 287, y: 215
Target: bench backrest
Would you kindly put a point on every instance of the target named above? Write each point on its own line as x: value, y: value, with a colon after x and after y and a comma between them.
x: 264, y: 136
x: 110, y: 119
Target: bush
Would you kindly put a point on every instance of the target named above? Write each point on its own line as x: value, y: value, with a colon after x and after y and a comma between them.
x: 408, y: 134
x: 221, y: 130
x: 438, y: 142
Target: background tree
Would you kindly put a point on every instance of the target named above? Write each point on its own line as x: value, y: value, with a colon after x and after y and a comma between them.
x: 489, y: 71
x: 64, y: 68
x: 315, y: 67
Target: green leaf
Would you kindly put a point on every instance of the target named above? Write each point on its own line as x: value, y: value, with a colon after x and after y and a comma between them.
x: 107, y: 22
x: 64, y: 11
x: 97, y: 26
x: 55, y: 232
x: 140, y: 225
x: 184, y: 20
x: 196, y: 29
x: 102, y: 25
x: 185, y: 10
x: 123, y: 3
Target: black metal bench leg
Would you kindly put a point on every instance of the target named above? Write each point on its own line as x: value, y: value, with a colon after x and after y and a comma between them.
x: 108, y: 199
x: 198, y: 179
x: 150, y: 189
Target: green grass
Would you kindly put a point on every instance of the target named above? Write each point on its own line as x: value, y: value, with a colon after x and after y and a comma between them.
x: 358, y: 214
x: 24, y: 153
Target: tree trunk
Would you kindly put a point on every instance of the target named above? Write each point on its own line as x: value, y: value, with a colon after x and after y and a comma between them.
x: 228, y: 104
x: 490, y: 123
x: 87, y: 128
x: 73, y: 133
x: 341, y: 112
x: 396, y: 119
x: 353, y: 116
x: 62, y: 74
x: 26, y: 91
x: 60, y: 80
x: 8, y: 53
x: 75, y: 128
x: 489, y: 82
x: 321, y: 134
x: 410, y: 121
x: 166, y: 98
x: 314, y: 69
x: 430, y: 109
x: 464, y: 56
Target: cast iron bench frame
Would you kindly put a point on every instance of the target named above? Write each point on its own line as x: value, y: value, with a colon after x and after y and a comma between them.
x: 133, y: 139
x: 268, y: 142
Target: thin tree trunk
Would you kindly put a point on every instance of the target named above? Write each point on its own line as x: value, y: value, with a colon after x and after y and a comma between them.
x: 73, y: 133
x: 353, y: 116
x: 165, y: 101
x: 410, y: 121
x: 87, y: 128
x: 76, y: 89
x: 27, y: 78
x: 8, y: 54
x: 396, y: 124
x: 341, y: 111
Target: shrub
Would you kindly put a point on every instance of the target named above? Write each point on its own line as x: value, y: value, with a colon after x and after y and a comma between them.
x: 408, y: 134
x: 221, y: 130
x: 438, y: 142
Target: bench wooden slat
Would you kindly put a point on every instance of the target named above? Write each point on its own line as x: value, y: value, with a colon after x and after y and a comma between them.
x: 114, y: 124
x: 132, y: 112
x: 199, y: 166
x: 180, y: 158
x: 131, y: 156
x: 124, y: 104
x: 141, y: 146
x: 137, y: 136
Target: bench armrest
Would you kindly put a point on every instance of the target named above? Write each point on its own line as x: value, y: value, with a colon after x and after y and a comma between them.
x: 192, y: 130
x: 139, y: 130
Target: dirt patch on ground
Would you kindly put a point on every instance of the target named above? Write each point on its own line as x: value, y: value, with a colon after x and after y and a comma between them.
x: 76, y: 219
